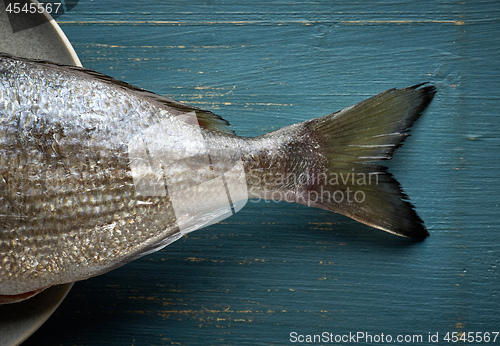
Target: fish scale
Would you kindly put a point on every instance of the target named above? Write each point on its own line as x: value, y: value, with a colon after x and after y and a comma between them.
x: 88, y: 185
x: 95, y: 172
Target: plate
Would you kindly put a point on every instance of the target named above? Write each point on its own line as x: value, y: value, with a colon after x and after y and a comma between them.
x: 18, y: 321
x: 35, y: 36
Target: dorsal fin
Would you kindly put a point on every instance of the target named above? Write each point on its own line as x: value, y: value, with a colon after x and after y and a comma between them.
x: 206, y: 119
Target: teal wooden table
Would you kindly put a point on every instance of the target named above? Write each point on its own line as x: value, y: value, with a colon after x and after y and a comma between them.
x: 275, y: 269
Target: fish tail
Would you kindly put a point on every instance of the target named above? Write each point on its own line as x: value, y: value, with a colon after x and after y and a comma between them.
x: 334, y: 161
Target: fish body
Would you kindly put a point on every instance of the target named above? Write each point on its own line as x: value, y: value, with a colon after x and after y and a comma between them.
x: 95, y: 173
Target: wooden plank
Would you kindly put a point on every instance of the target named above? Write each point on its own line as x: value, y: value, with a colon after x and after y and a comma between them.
x: 276, y: 268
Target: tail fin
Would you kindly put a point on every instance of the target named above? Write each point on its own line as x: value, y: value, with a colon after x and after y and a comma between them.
x: 343, y: 178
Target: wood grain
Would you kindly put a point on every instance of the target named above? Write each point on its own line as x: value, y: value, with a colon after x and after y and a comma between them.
x: 276, y: 268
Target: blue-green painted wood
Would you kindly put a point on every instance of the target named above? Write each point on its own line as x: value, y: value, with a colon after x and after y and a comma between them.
x: 276, y: 268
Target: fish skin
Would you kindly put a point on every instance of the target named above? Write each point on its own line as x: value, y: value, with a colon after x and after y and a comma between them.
x: 73, y: 212
x: 70, y: 208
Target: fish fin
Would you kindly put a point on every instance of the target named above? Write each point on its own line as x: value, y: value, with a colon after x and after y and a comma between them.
x: 206, y: 119
x: 348, y: 143
x: 374, y: 128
